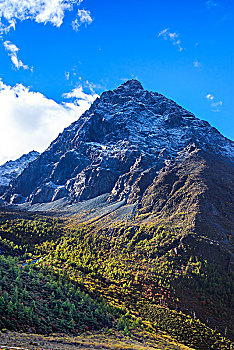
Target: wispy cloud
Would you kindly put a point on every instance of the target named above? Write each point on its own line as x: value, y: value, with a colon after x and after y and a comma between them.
x: 40, y: 11
x: 80, y: 96
x: 83, y: 17
x: 32, y: 117
x: 211, y: 3
x: 67, y: 75
x: 166, y: 34
x: 196, y: 63
x: 215, y: 105
x: 12, y: 51
x: 210, y: 97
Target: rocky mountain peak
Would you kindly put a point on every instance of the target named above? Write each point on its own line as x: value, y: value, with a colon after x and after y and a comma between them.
x: 126, y: 137
x: 132, y: 84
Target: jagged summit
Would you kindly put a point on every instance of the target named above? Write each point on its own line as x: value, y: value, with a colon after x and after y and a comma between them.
x: 126, y: 136
x: 131, y: 84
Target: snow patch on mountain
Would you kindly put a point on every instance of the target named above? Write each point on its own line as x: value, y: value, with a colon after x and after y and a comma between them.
x: 13, y: 168
x: 117, y: 146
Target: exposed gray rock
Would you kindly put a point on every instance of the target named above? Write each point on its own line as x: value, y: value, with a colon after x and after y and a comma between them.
x: 13, y: 168
x: 118, y: 146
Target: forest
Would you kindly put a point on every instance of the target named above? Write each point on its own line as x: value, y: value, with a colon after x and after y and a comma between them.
x: 60, y: 276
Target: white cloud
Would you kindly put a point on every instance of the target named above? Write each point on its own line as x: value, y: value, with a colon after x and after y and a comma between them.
x: 75, y: 25
x: 41, y: 11
x: 173, y: 37
x: 67, y: 75
x: 215, y: 105
x: 12, y: 51
x: 80, y: 95
x: 209, y: 97
x: 84, y: 17
x: 196, y: 64
x: 29, y: 120
x: 90, y: 86
x: 211, y: 3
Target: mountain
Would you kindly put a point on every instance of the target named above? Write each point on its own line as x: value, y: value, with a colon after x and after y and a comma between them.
x: 124, y: 140
x: 132, y: 204
x: 13, y: 168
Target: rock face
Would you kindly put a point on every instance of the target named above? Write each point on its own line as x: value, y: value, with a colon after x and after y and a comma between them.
x: 11, y: 169
x: 118, y: 147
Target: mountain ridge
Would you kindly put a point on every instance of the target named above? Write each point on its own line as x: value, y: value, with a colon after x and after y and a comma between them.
x: 125, y: 131
x: 13, y: 168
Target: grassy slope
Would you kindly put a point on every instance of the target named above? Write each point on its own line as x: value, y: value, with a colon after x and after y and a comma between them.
x: 96, y: 340
x: 133, y: 269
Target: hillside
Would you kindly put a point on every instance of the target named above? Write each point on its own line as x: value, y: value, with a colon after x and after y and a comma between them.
x: 124, y: 224
x: 139, y: 282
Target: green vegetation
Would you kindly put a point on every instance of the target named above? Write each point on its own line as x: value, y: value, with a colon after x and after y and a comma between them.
x: 35, y: 298
x: 122, y: 277
x: 183, y: 328
x: 22, y: 236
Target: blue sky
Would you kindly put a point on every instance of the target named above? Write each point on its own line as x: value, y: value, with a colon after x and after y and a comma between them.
x: 55, y: 60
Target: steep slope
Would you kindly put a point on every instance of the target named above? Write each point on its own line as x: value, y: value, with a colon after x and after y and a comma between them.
x: 139, y: 278
x: 194, y: 193
x: 125, y: 138
x: 195, y: 189
x: 13, y: 168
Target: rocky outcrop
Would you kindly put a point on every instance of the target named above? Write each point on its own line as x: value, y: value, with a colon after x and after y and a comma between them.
x: 13, y: 168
